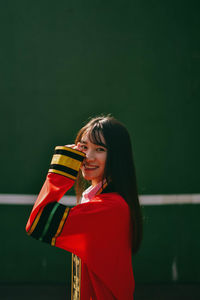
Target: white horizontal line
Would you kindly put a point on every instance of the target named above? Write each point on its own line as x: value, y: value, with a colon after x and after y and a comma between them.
x: 170, y: 199
x: 30, y: 199
x: 18, y: 199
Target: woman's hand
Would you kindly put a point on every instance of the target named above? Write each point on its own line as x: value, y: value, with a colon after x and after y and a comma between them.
x: 76, y: 147
x: 73, y: 146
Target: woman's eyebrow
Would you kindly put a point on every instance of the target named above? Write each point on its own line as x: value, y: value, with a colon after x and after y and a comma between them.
x: 85, y: 142
x: 102, y: 145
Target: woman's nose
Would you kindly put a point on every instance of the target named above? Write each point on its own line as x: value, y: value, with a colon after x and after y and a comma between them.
x: 89, y: 155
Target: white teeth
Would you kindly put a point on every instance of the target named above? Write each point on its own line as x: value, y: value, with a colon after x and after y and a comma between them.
x: 91, y: 167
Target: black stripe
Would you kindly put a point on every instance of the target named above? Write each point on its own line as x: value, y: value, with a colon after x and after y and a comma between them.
x: 57, y: 217
x: 64, y: 169
x: 42, y: 221
x: 70, y: 154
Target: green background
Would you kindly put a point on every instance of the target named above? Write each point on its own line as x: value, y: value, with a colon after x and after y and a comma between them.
x: 63, y: 62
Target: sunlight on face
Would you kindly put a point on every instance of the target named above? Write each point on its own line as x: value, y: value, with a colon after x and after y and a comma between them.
x: 94, y: 163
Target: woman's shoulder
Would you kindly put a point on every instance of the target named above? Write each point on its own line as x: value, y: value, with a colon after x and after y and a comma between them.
x: 110, y: 194
x: 107, y: 201
x: 111, y: 199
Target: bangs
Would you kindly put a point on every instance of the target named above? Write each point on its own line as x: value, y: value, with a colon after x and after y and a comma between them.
x: 95, y: 135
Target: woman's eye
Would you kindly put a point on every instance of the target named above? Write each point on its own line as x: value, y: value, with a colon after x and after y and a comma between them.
x: 83, y: 147
x: 100, y: 149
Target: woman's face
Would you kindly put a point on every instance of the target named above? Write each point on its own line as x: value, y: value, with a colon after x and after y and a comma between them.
x: 94, y: 164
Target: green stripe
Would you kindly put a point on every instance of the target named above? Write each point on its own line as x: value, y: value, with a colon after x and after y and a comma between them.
x: 49, y: 221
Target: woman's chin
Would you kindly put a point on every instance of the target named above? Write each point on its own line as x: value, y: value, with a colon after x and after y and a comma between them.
x: 86, y: 177
x: 93, y: 180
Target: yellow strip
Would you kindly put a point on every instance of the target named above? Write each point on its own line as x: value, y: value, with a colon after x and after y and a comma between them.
x: 79, y: 278
x: 35, y: 222
x: 70, y: 149
x: 53, y: 241
x: 63, y: 160
x: 62, y: 173
x: 76, y: 278
x: 72, y: 275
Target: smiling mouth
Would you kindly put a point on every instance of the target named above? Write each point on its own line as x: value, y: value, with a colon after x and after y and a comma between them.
x: 90, y: 168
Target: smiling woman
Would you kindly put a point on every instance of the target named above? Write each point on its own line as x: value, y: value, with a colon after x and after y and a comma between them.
x: 105, y: 228
x: 94, y: 164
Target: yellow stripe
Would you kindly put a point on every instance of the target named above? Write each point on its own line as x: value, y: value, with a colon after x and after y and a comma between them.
x: 35, y: 222
x: 63, y: 160
x: 72, y: 275
x: 62, y: 173
x: 76, y: 278
x: 79, y: 278
x: 70, y: 149
x: 53, y: 241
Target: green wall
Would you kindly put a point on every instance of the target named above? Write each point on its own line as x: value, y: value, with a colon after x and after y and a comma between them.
x: 64, y: 62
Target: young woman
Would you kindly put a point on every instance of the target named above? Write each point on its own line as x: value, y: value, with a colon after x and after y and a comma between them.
x: 105, y: 228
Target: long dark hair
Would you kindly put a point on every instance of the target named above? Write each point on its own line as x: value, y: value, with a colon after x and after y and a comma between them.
x: 119, y: 170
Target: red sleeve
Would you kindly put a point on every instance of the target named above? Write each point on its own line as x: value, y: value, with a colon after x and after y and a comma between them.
x: 48, y: 216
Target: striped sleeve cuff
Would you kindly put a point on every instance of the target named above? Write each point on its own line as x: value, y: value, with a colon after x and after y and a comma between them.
x: 66, y: 161
x: 49, y: 223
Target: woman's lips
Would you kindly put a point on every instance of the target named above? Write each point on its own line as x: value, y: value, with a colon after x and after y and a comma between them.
x: 90, y: 168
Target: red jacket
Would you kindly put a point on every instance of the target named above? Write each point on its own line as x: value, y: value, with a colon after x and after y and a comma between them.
x: 98, y: 232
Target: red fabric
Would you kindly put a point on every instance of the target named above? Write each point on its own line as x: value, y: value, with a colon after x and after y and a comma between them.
x: 98, y: 233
